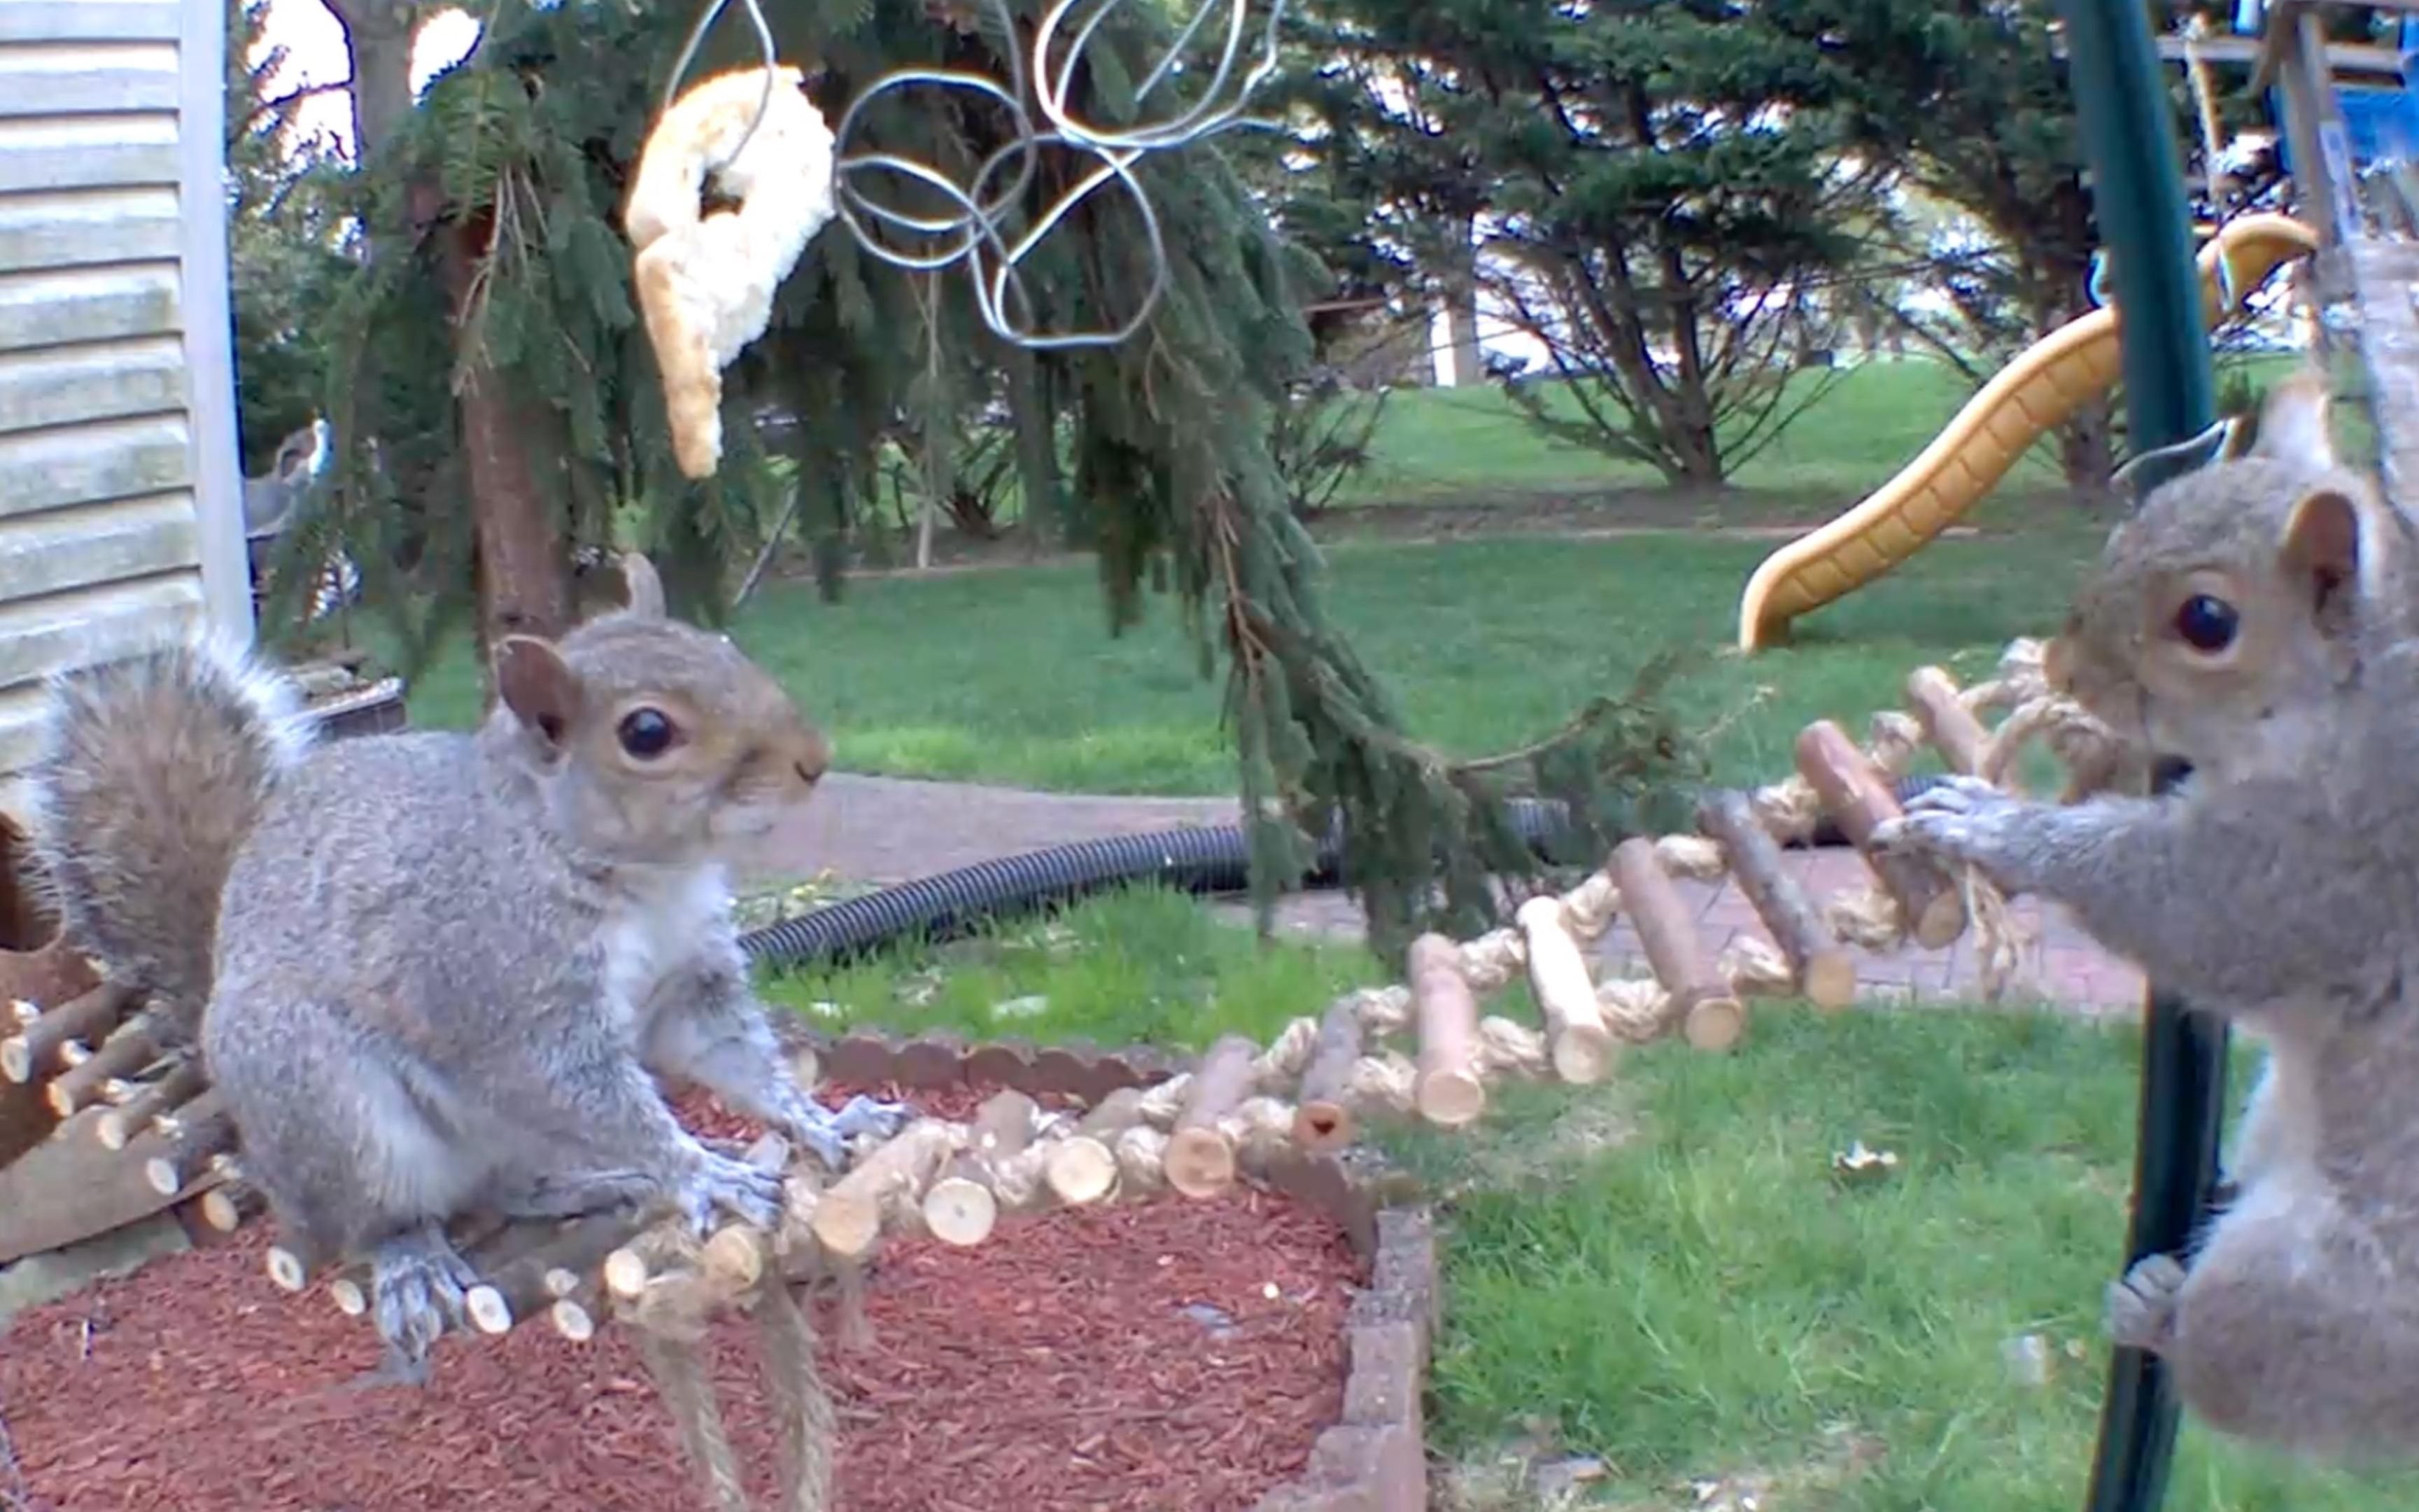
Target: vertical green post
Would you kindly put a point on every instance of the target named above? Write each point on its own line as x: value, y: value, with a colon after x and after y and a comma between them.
x: 2121, y: 102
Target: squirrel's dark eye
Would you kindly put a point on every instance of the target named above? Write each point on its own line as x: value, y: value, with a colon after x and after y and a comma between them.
x: 646, y: 734
x: 2207, y: 624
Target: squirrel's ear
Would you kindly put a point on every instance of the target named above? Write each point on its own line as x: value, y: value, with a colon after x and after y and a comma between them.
x: 645, y: 590
x: 542, y: 691
x: 2323, y: 548
x: 2294, y: 422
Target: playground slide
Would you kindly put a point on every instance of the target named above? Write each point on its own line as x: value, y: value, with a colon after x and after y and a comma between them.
x: 2035, y: 393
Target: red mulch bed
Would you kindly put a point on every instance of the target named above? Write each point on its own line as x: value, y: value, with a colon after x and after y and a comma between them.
x: 1073, y: 1361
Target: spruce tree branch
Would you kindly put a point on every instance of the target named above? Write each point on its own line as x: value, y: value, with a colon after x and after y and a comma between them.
x: 279, y: 104
x: 1589, y: 715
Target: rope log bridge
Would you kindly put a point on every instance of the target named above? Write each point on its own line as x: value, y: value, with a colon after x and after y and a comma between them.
x: 1421, y: 1048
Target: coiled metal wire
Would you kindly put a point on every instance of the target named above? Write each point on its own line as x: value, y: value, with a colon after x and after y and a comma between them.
x: 976, y: 230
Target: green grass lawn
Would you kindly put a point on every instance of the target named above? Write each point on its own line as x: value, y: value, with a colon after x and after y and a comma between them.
x: 1660, y: 1273
x: 1869, y: 422
x: 1873, y: 421
x: 1009, y: 676
x: 1140, y: 966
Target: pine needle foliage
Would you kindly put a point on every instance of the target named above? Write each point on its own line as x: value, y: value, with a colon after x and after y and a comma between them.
x: 1153, y: 452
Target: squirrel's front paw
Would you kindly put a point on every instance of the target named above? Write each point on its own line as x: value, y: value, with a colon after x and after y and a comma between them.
x: 1964, y: 819
x: 720, y: 1183
x: 828, y: 1134
x: 2142, y: 1306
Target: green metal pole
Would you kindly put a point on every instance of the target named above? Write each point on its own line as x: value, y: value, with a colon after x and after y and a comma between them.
x: 2121, y: 102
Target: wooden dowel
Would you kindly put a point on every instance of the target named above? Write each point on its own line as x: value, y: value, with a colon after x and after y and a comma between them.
x: 795, y: 1243
x: 35, y: 1049
x: 351, y: 1297
x: 1083, y: 1168
x: 1948, y: 724
x: 1114, y: 1113
x: 289, y: 1267
x: 963, y: 1205
x: 847, y: 1216
x: 573, y: 1318
x: 504, y: 1247
x: 1826, y: 971
x: 1200, y: 1160
x: 191, y: 1135
x: 132, y: 1046
x: 1858, y: 799
x: 517, y: 1286
x: 1448, y: 1090
x: 733, y: 1259
x: 1581, y: 1048
x: 638, y: 1262
x: 1003, y: 1125
x: 1709, y: 1014
x: 736, y: 1254
x: 1322, y: 1116
x: 230, y: 1205
x: 181, y: 1085
x: 650, y: 1267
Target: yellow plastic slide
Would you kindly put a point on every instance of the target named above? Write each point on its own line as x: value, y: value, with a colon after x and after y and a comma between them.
x: 2036, y: 392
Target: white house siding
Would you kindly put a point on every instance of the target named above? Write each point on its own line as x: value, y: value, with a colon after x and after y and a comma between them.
x: 120, y: 492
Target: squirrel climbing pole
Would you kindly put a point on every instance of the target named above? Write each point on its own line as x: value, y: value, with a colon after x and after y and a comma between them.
x: 2121, y: 101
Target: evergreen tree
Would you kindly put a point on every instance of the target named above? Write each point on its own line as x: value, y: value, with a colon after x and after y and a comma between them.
x: 1968, y: 101
x: 1658, y: 185
x: 1155, y: 451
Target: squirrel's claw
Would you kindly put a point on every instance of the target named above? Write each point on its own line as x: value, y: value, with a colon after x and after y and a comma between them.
x: 1958, y: 794
x: 1957, y: 821
x: 749, y: 1193
x: 827, y: 1133
x: 863, y: 1115
x: 418, y: 1283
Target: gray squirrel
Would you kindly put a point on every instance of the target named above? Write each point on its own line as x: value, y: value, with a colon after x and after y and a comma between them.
x: 2255, y: 617
x: 439, y: 968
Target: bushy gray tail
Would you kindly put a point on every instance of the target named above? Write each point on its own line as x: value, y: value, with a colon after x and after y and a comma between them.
x: 150, y: 773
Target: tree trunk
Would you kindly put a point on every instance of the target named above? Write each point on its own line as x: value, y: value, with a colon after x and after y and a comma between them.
x: 1696, y: 457
x: 2086, y: 451
x: 379, y: 35
x: 521, y: 568
x: 523, y: 571
x: 2086, y: 445
x: 1461, y: 310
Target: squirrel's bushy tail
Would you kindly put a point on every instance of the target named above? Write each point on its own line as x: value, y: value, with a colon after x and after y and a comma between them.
x: 151, y: 773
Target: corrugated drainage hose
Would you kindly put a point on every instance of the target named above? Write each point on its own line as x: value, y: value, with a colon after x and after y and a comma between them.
x: 1210, y: 858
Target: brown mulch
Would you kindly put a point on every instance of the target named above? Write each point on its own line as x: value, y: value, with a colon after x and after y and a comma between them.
x: 1159, y: 1355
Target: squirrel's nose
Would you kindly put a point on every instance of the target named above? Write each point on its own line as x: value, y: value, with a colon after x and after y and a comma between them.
x: 811, y: 757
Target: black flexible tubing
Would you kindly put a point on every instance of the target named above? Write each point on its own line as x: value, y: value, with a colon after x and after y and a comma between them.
x: 1210, y: 858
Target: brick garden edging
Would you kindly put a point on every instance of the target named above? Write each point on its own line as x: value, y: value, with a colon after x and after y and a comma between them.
x: 1375, y: 1459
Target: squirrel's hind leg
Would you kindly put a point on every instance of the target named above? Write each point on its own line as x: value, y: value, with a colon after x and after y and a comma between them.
x: 357, y: 1150
x: 2288, y: 1328
x: 418, y: 1282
